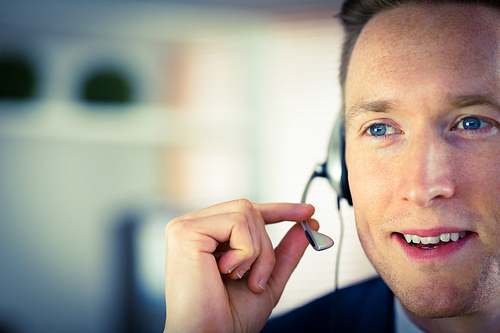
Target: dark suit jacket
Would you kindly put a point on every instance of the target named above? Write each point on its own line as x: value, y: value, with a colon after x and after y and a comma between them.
x: 364, y: 307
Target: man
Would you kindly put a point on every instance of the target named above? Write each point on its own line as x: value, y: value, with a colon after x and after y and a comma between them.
x: 421, y: 90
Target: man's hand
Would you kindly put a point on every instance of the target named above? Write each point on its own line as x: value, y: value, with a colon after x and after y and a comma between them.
x: 222, y: 273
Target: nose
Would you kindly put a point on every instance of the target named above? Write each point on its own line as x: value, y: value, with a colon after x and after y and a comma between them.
x: 427, y: 174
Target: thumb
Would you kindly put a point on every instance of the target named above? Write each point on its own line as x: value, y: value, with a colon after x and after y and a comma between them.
x: 288, y: 254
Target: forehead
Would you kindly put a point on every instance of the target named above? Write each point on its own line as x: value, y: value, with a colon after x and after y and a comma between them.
x: 452, y: 45
x: 433, y: 24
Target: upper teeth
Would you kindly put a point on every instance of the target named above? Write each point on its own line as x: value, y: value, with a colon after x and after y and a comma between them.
x: 453, y: 236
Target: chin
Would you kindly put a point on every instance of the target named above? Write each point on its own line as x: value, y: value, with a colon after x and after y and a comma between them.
x: 436, y: 309
x: 435, y: 302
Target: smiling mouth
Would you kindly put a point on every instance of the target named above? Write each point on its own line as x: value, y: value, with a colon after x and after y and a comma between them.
x: 429, y: 243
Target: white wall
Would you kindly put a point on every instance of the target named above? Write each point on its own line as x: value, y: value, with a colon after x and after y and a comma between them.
x: 70, y: 170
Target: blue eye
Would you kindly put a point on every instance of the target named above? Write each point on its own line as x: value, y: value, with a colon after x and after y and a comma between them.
x: 378, y: 129
x: 471, y: 123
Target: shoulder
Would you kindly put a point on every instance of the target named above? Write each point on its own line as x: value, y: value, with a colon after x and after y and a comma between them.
x: 366, y: 306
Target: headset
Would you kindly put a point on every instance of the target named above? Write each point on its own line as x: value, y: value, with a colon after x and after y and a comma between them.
x: 334, y: 169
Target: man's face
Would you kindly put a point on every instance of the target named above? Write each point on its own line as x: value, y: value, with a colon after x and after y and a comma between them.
x: 423, y: 154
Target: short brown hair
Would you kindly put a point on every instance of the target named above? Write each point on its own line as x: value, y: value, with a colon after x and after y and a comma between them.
x: 355, y: 14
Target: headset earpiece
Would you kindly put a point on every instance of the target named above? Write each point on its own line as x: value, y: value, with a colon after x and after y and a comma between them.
x: 336, y: 170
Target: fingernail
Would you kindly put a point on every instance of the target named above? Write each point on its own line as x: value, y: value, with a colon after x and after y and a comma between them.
x: 262, y: 283
x: 230, y: 270
x: 241, y: 273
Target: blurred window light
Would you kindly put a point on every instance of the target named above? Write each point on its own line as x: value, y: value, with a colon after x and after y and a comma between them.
x: 107, y: 86
x: 17, y: 78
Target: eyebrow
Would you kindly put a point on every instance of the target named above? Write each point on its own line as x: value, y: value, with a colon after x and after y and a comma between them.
x: 385, y: 106
x: 361, y: 107
x: 463, y: 101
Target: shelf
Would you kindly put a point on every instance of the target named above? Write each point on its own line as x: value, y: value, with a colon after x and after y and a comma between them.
x: 150, y: 125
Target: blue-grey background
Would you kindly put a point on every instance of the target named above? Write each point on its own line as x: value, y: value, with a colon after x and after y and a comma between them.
x: 229, y: 99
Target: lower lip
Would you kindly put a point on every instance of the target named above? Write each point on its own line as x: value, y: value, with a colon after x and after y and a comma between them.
x: 442, y: 252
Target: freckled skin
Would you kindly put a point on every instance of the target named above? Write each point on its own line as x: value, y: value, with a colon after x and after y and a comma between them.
x: 429, y: 175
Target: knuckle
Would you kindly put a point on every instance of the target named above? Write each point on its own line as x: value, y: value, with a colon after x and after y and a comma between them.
x: 253, y: 253
x: 245, y: 206
x: 256, y: 251
x: 268, y: 254
x: 240, y: 219
x: 175, y: 228
x: 242, y: 228
x: 272, y: 259
x: 268, y: 259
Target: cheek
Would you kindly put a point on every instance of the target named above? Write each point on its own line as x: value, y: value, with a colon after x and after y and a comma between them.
x: 477, y: 180
x: 365, y: 236
x: 481, y: 190
x: 371, y: 180
x: 371, y: 188
x: 373, y: 246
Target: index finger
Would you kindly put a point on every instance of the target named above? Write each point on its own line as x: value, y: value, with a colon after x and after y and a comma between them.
x: 278, y: 212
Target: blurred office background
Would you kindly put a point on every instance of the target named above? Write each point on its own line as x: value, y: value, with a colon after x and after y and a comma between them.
x: 117, y: 116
